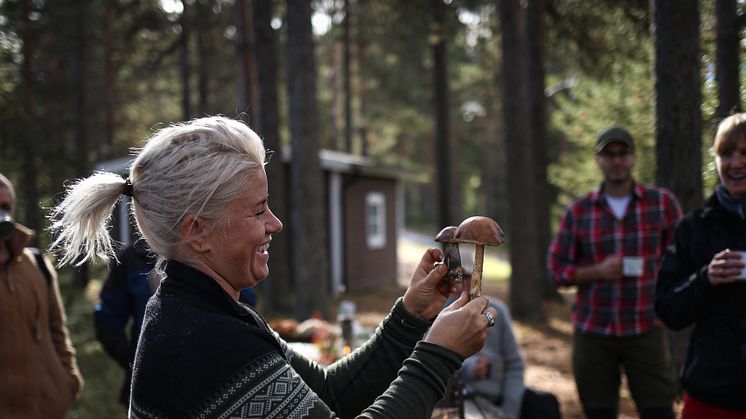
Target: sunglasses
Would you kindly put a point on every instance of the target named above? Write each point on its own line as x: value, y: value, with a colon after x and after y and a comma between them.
x: 608, y: 155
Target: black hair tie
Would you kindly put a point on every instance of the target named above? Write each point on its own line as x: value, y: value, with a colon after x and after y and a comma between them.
x: 127, y: 190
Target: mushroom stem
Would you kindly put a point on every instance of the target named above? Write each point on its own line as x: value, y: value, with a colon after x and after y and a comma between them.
x: 476, y: 275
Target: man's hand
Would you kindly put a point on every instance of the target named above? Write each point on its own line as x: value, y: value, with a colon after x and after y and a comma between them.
x: 610, y: 269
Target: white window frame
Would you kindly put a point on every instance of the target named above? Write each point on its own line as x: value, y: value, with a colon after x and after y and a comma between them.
x: 375, y: 237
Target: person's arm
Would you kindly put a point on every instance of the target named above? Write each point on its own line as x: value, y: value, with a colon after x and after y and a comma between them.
x: 60, y: 336
x: 673, y: 214
x: 563, y: 257
x: 563, y: 252
x: 353, y: 383
x: 513, y: 385
x: 682, y: 288
x: 112, y: 314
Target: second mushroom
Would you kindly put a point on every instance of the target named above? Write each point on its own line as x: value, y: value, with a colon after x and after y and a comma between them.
x: 481, y: 231
x: 452, y: 257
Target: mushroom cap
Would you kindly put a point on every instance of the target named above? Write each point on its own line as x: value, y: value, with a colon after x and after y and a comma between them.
x: 480, y: 230
x: 447, y: 235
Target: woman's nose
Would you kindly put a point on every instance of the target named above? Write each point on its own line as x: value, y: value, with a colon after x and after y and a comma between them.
x: 274, y: 225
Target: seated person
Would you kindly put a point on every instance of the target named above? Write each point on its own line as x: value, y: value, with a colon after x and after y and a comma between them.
x: 493, y: 377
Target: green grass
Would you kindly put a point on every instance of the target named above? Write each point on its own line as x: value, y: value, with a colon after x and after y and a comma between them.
x: 102, y: 375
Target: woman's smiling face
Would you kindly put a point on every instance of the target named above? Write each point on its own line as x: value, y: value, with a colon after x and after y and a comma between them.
x: 238, y: 250
x: 731, y: 165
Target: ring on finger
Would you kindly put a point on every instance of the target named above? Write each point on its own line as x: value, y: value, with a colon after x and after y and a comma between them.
x: 490, y: 318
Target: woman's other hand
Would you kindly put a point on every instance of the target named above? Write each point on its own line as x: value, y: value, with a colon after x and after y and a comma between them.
x: 725, y: 267
x: 428, y: 290
x: 462, y: 326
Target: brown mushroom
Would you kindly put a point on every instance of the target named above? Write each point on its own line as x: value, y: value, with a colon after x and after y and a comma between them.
x: 452, y: 257
x: 481, y: 231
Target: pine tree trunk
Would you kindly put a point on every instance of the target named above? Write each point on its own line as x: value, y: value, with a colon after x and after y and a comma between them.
x: 538, y: 115
x: 308, y: 221
x: 678, y: 117
x: 728, y: 58
x: 279, y: 294
x: 448, y: 199
x: 525, y: 295
x: 247, y: 54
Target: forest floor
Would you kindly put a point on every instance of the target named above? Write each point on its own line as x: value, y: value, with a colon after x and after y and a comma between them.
x: 546, y: 346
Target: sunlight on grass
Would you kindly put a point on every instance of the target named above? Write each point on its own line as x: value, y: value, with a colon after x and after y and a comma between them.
x: 102, y: 375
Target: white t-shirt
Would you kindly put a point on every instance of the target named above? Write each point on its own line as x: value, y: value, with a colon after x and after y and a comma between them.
x: 618, y: 204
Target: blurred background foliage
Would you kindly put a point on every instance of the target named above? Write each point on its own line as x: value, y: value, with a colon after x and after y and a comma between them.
x: 83, y: 82
x: 103, y: 74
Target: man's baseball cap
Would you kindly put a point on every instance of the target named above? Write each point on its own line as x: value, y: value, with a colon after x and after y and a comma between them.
x: 614, y: 134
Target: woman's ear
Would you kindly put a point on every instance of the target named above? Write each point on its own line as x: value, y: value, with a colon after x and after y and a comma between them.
x: 193, y: 231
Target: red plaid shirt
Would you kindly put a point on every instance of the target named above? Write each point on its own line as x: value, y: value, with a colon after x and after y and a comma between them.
x: 589, y: 232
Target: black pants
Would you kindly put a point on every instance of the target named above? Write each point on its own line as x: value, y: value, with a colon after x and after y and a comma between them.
x: 539, y: 405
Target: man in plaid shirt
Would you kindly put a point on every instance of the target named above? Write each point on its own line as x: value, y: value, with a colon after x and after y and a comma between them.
x: 609, y: 245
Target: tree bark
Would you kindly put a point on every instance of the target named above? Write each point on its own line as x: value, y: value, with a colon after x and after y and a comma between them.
x: 29, y: 185
x: 203, y: 58
x: 308, y: 221
x: 525, y: 295
x: 185, y: 65
x: 107, y: 147
x: 538, y: 114
x: 79, y: 77
x: 248, y: 56
x: 279, y: 294
x: 678, y: 116
x: 678, y: 100
x: 448, y: 199
x: 347, y: 75
x: 728, y: 58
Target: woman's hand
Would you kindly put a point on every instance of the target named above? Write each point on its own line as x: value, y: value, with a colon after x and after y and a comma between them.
x: 462, y: 326
x: 725, y: 267
x: 428, y: 290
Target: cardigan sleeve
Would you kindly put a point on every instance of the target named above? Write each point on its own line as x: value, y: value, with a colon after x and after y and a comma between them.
x: 353, y: 383
x: 394, y: 375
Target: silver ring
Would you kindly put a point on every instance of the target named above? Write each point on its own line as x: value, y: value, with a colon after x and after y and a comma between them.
x: 490, y: 318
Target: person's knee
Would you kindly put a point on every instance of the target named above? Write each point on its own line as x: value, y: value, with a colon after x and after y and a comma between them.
x: 657, y: 413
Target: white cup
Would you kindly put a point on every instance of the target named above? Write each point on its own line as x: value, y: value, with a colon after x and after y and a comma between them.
x: 632, y: 265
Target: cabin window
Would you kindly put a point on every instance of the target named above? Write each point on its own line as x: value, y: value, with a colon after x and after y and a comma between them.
x: 375, y: 220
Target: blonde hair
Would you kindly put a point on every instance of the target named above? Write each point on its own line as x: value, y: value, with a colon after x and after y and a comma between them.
x: 731, y: 131
x: 197, y: 167
x: 8, y: 184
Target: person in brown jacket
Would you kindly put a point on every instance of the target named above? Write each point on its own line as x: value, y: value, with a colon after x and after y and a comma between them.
x: 39, y: 377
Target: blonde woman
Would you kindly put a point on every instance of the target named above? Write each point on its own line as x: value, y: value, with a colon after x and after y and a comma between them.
x: 699, y: 284
x: 199, y: 193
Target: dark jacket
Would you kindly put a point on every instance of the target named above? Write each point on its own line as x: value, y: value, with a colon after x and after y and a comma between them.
x: 122, y: 303
x: 715, y: 367
x: 202, y: 354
